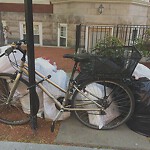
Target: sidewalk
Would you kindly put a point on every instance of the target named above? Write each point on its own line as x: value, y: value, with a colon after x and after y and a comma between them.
x: 122, y: 138
x: 75, y: 136
x: 29, y: 146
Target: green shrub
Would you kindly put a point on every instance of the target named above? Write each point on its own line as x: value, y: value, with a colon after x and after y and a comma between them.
x: 143, y: 44
x: 109, y: 46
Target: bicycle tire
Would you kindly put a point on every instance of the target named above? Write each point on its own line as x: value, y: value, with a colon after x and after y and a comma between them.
x: 12, y: 113
x: 115, y: 98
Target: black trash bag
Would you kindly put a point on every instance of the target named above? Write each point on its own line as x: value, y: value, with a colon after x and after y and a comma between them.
x: 141, y: 91
x: 140, y: 120
x: 140, y: 124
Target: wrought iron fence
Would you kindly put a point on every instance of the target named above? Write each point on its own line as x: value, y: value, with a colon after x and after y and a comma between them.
x: 88, y: 35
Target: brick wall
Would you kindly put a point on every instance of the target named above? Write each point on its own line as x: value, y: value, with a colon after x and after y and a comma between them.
x: 56, y: 55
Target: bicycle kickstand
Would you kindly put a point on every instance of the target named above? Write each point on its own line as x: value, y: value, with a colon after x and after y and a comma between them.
x: 56, y: 118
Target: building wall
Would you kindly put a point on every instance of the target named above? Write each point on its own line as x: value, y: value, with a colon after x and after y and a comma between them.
x: 113, y: 12
x: 70, y: 12
x: 13, y: 13
x: 22, y: 1
x: 13, y: 19
x: 131, y: 12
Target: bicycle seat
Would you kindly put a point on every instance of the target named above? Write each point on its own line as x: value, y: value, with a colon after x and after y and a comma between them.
x: 78, y: 57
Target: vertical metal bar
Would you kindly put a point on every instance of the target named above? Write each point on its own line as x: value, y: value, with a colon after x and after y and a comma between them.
x: 86, y: 37
x: 1, y: 32
x: 117, y: 31
x: 83, y: 29
x: 143, y: 33
x: 34, y: 102
x: 101, y: 33
x: 130, y: 38
x: 123, y: 35
x: 126, y: 34
x: 78, y: 37
x: 139, y: 27
x: 96, y: 40
x: 92, y: 36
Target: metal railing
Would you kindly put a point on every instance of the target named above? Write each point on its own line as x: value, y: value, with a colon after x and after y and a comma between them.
x: 88, y: 35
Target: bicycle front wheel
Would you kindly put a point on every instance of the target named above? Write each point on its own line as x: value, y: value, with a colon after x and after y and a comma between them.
x: 11, y: 112
x: 107, y: 104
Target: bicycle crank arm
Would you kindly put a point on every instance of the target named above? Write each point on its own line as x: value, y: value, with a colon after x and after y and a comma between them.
x: 56, y: 118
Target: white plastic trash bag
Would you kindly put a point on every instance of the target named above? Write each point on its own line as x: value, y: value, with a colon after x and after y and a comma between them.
x: 141, y: 71
x: 44, y: 67
x: 111, y: 112
x: 25, y: 101
x: 59, y: 77
x: 50, y: 110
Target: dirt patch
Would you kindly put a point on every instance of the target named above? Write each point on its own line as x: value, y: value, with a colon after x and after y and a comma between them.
x: 24, y: 133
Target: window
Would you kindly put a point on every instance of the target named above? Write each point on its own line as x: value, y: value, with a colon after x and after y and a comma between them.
x: 62, y: 35
x: 37, y: 29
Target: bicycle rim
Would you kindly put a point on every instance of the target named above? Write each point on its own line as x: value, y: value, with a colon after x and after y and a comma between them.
x: 12, y: 113
x: 115, y: 98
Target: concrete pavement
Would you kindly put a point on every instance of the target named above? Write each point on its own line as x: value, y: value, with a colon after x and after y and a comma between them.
x: 75, y: 136
x: 73, y: 132
x: 33, y: 146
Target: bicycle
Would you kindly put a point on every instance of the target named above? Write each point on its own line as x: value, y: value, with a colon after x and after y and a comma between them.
x: 93, y: 100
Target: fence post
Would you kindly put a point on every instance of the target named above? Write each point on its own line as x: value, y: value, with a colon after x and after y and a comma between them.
x: 117, y: 31
x: 78, y: 37
x: 1, y: 32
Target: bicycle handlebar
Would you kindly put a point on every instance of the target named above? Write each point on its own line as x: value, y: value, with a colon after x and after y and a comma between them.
x: 15, y: 45
x: 20, y: 42
x: 2, y: 55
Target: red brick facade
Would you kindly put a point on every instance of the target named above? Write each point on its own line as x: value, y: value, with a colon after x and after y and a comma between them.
x: 56, y: 55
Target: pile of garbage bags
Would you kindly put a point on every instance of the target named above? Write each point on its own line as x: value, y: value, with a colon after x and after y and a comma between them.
x: 60, y: 78
x: 44, y: 67
x: 139, y: 122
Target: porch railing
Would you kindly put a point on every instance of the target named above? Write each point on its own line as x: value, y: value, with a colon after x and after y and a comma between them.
x: 88, y: 35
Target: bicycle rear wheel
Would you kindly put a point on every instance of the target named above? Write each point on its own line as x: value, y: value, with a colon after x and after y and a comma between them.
x: 113, y: 100
x: 12, y: 113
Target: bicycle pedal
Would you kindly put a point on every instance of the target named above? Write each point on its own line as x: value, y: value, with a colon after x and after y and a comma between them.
x: 42, y: 115
x: 53, y: 126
